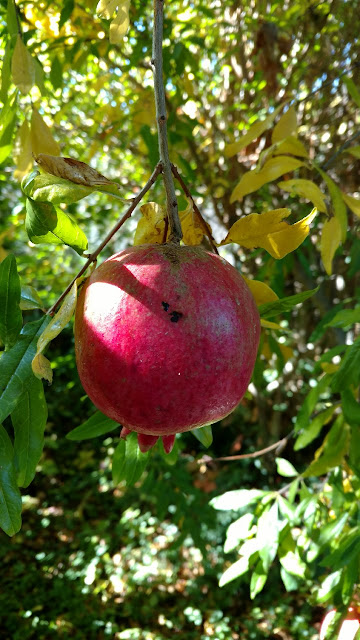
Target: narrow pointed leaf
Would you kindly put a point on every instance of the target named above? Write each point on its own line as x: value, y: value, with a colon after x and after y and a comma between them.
x: 287, y: 125
x: 204, y: 435
x: 272, y: 169
x: 128, y: 461
x: 349, y: 371
x: 332, y: 451
x: 254, y: 132
x: 330, y: 241
x: 338, y: 204
x: 96, y: 425
x: 10, y: 313
x: 306, y: 189
x: 10, y: 498
x: 270, y: 309
x: 352, y: 203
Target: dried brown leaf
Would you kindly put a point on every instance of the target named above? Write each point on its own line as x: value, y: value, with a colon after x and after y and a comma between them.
x: 73, y: 170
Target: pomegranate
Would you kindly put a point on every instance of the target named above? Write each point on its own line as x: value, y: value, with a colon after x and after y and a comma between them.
x: 166, y: 339
x: 349, y: 626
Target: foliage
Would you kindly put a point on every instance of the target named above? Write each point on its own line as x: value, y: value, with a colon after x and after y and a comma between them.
x: 263, y: 117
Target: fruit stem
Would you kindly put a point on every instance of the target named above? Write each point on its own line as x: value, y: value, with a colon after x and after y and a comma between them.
x: 161, y: 118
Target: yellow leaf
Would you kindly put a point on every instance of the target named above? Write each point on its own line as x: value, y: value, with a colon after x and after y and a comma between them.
x: 266, y: 324
x: 22, y: 67
x: 286, y: 351
x: 55, y: 326
x: 192, y: 228
x: 106, y: 8
x: 269, y: 231
x: 256, y: 130
x: 261, y: 292
x: 330, y: 241
x: 120, y: 24
x: 352, y: 203
x: 291, y: 145
x: 272, y: 169
x: 287, y: 126
x: 338, y: 205
x: 329, y: 367
x: 151, y: 227
x: 42, y: 140
x: 22, y: 151
x: 42, y: 368
x: 306, y: 189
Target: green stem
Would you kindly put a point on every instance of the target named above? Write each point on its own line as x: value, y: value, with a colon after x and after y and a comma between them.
x: 161, y: 118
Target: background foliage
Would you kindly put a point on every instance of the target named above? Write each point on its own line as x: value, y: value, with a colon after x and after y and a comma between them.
x: 97, y: 559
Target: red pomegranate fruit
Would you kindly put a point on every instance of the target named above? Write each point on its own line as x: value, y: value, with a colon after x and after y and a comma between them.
x: 166, y: 339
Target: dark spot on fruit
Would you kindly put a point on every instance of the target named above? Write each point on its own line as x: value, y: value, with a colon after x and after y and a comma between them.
x: 175, y: 316
x: 165, y: 306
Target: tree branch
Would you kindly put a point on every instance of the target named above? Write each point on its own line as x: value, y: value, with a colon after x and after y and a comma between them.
x: 280, y: 445
x: 111, y: 233
x: 157, y: 63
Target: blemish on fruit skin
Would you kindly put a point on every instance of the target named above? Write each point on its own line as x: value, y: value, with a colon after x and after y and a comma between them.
x: 165, y: 306
x: 175, y: 316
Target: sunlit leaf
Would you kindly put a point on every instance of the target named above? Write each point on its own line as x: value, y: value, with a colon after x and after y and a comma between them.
x: 254, y: 132
x: 237, y: 499
x: 306, y: 189
x: 106, y: 8
x: 42, y: 140
x: 70, y: 169
x: 286, y: 126
x: 192, y: 227
x: 151, y: 227
x: 46, y: 188
x: 204, y: 435
x: 272, y: 169
x: 46, y: 224
x: 120, y: 24
x: 352, y: 203
x: 261, y: 292
x: 258, y: 580
x: 55, y: 326
x: 285, y: 468
x: 291, y: 145
x: 22, y: 152
x: 29, y: 298
x: 29, y: 419
x: 234, y: 571
x: 10, y: 498
x: 10, y: 313
x: 330, y: 241
x: 22, y: 67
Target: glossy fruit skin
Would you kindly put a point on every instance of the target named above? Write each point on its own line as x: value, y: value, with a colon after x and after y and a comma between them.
x: 166, y: 338
x: 349, y: 627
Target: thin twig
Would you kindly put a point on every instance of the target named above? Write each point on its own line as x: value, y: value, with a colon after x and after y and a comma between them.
x: 161, y: 118
x: 111, y: 233
x: 256, y: 454
x: 187, y: 192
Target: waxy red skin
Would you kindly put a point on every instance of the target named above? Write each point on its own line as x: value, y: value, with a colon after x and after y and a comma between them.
x: 166, y: 338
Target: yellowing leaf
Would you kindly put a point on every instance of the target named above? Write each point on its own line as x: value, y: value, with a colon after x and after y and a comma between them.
x: 256, y: 130
x: 329, y: 367
x: 286, y: 351
x: 307, y: 189
x: 55, y: 326
x: 338, y: 204
x: 42, y: 368
x: 22, y: 151
x: 291, y: 145
x: 42, y: 140
x: 286, y: 126
x: 22, y: 67
x: 330, y: 241
x: 151, y: 227
x: 120, y: 24
x: 106, y: 8
x: 267, y: 324
x: 355, y: 151
x: 192, y: 226
x: 352, y: 203
x: 261, y: 292
x: 272, y: 169
x: 291, y: 237
x: 73, y: 170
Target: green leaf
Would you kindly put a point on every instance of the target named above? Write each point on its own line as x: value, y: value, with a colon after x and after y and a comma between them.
x: 234, y: 571
x: 267, y: 535
x: 128, y: 461
x: 351, y: 408
x: 10, y: 499
x: 353, y: 90
x: 329, y: 586
x: 285, y: 468
x: 234, y: 500
x: 345, y: 318
x: 30, y: 299
x: 46, y: 224
x: 11, y: 20
x: 29, y: 419
x: 332, y: 530
x: 96, y: 425
x: 349, y: 370
x: 6, y: 73
x: 204, y: 435
x: 66, y: 11
x: 338, y: 204
x: 10, y: 313
x: 56, y: 73
x: 332, y: 451
x: 291, y: 583
x: 303, y: 417
x: 15, y: 369
x: 312, y: 430
x: 270, y: 309
x: 258, y: 579
x: 293, y: 564
x: 238, y: 531
x: 44, y: 187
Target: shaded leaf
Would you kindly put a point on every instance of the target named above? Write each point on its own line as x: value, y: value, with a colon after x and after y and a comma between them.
x: 192, y: 228
x: 29, y: 419
x: 354, y: 151
x: 306, y: 189
x: 330, y: 241
x: 30, y: 299
x: 286, y: 126
x: 313, y: 429
x: 349, y: 371
x: 97, y: 425
x: 345, y: 318
x: 272, y: 169
x: 351, y: 408
x: 332, y: 451
x: 15, y: 368
x: 338, y: 205
x: 204, y: 435
x: 10, y: 313
x: 282, y: 305
x: 352, y: 203
x: 308, y: 406
x: 128, y: 461
x: 10, y: 498
x: 41, y: 367
x: 46, y: 224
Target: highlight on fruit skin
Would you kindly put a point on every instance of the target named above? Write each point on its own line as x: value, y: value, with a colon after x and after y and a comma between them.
x: 166, y: 338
